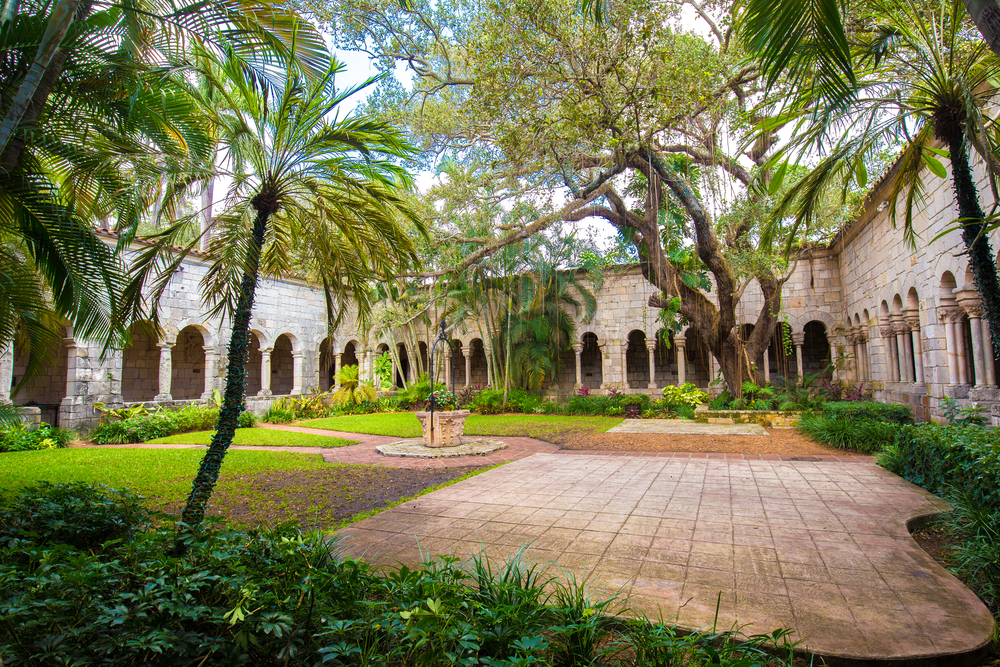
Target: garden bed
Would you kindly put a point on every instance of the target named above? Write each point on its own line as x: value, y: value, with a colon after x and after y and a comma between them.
x: 766, y: 418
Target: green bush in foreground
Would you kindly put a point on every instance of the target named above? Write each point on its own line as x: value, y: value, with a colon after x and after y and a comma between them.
x: 856, y: 435
x: 23, y: 438
x: 279, y: 597
x: 149, y: 426
x: 869, y: 411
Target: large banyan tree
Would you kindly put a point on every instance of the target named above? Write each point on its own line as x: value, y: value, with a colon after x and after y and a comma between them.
x: 625, y: 122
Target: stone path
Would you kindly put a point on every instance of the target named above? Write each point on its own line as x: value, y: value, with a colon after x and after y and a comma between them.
x: 685, y: 427
x: 816, y: 546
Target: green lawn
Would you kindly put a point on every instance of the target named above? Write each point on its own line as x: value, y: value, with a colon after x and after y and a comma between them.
x: 258, y: 437
x: 163, y: 475
x: 551, y: 428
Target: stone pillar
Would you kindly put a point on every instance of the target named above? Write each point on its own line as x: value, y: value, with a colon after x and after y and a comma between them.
x: 489, y: 364
x: 865, y: 371
x: 577, y: 351
x: 681, y: 342
x: 799, y: 339
x: 651, y: 348
x: 296, y: 373
x: 166, y: 370
x: 623, y: 352
x: 338, y: 363
x: 265, y: 372
x: 902, y: 359
x: 913, y: 321
x: 963, y: 362
x: 6, y: 372
x: 392, y: 378
x: 969, y: 301
x: 211, y: 370
x: 767, y: 365
x: 713, y: 368
x: 989, y: 356
x: 891, y: 360
x: 447, y: 367
x: 833, y: 359
x: 951, y: 343
x: 468, y: 366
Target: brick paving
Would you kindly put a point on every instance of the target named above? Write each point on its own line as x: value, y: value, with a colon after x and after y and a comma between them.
x: 815, y: 546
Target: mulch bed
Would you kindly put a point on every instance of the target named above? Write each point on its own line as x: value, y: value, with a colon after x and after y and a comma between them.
x: 781, y: 441
x: 322, y: 499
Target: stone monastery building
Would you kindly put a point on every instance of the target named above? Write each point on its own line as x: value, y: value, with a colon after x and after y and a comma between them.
x: 907, y: 323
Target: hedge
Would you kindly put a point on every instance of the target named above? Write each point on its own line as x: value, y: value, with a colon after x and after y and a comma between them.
x: 868, y: 411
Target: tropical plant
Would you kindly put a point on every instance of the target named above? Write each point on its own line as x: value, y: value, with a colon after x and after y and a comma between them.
x: 962, y: 415
x: 300, y: 172
x: 912, y: 77
x: 351, y: 389
x: 383, y: 370
x: 118, y: 414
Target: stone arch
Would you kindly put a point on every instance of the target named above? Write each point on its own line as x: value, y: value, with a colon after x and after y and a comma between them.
x: 141, y: 364
x: 897, y: 304
x: 665, y: 358
x: 327, y: 364
x: 48, y: 388
x: 402, y: 375
x: 349, y: 355
x: 478, y: 371
x: 203, y: 328
x: 591, y: 361
x: 592, y: 328
x: 283, y: 364
x: 781, y: 357
x: 255, y: 359
x: 912, y: 300
x: 636, y: 360
x: 457, y: 378
x: 292, y: 339
x: 187, y: 363
x: 697, y: 356
x: 815, y: 349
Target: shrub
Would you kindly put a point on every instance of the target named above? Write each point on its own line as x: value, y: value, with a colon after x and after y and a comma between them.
x: 722, y: 401
x: 443, y: 400
x: 278, y: 414
x: 685, y: 411
x: 686, y: 394
x: 869, y: 411
x: 489, y: 402
x: 136, y: 429
x: 83, y: 516
x: 862, y: 436
x: 23, y: 438
x: 956, y: 414
x: 194, y: 418
x: 247, y: 419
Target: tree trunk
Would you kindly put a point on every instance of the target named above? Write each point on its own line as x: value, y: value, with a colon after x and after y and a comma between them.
x: 984, y: 270
x: 986, y: 15
x: 232, y: 405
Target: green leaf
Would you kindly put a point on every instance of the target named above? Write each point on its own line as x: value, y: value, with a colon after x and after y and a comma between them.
x: 778, y: 179
x: 861, y: 173
x: 935, y: 166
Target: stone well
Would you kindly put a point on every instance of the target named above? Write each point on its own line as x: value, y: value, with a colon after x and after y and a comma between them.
x: 448, y: 425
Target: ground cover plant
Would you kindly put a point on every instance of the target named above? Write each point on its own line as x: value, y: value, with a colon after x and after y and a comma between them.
x: 551, y: 428
x: 259, y: 437
x: 861, y: 426
x: 24, y: 438
x: 282, y: 597
x: 136, y: 424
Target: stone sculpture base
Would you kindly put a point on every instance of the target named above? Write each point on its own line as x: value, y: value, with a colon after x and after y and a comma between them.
x: 448, y: 425
x: 414, y: 448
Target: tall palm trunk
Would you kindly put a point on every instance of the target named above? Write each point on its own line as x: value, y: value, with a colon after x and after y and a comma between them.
x: 984, y: 270
x: 232, y: 405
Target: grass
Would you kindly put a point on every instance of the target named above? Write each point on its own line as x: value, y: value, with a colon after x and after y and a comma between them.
x: 162, y: 475
x: 260, y: 437
x: 551, y: 428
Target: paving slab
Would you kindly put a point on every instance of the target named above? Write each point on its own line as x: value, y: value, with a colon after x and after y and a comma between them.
x: 685, y: 427
x: 820, y: 547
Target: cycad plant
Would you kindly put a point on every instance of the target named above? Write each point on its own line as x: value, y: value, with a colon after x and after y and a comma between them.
x: 351, y: 390
x: 312, y: 193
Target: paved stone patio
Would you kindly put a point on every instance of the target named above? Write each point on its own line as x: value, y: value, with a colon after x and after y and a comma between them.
x: 415, y: 448
x: 819, y: 547
x: 686, y: 427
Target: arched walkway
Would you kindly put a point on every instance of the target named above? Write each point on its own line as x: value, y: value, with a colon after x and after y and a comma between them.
x: 254, y: 362
x: 187, y: 373
x: 282, y: 366
x: 591, y: 362
x: 327, y: 366
x: 141, y: 365
x: 816, y: 350
x: 48, y: 388
x: 637, y: 360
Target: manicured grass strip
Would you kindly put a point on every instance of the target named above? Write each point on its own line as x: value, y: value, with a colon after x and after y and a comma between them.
x: 396, y: 424
x: 163, y: 475
x: 259, y: 437
x: 551, y: 428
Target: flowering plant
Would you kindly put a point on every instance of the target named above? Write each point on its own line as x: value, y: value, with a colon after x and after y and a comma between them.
x: 443, y: 400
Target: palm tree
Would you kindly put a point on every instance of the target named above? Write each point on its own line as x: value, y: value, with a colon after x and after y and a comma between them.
x: 312, y: 194
x: 94, y: 111
x: 352, y: 391
x: 917, y: 78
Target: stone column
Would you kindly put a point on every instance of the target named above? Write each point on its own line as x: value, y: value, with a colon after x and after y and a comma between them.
x: 902, y: 358
x: 833, y: 359
x: 681, y: 342
x: 852, y: 340
x: 211, y: 369
x: 296, y: 373
x: 989, y: 356
x: 623, y: 359
x: 713, y: 368
x: 447, y: 367
x: 963, y: 362
x: 489, y: 364
x: 951, y: 342
x: 265, y: 372
x: 891, y: 359
x: 468, y: 366
x: 577, y: 351
x: 6, y: 372
x: 913, y: 321
x: 166, y: 369
x: 338, y: 363
x: 974, y: 309
x: 651, y: 348
x: 392, y: 378
x: 865, y: 371
x: 799, y: 339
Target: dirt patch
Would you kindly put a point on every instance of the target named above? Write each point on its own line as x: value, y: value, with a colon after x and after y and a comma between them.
x: 781, y: 441
x: 322, y: 499
x: 938, y: 542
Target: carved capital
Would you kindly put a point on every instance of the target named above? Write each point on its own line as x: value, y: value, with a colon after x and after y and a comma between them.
x: 974, y: 309
x: 901, y: 327
x: 651, y: 345
x: 913, y: 323
x: 798, y: 338
x: 861, y: 336
x: 887, y: 331
x: 578, y: 347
